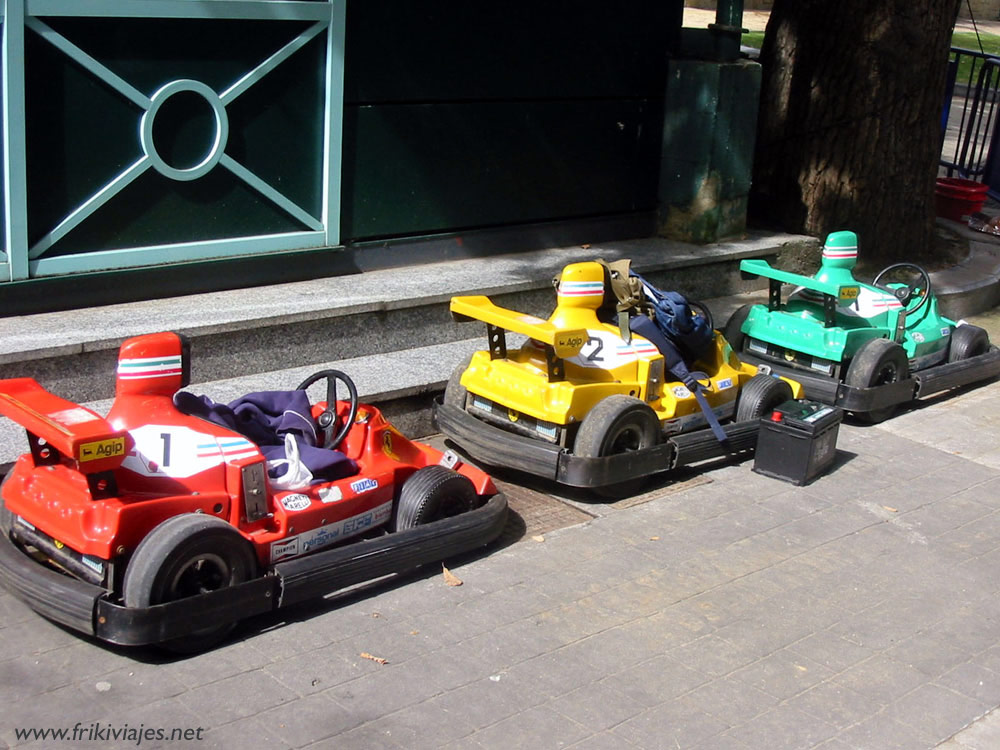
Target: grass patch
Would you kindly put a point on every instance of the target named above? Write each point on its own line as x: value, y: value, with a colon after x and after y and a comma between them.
x: 968, y: 40
x: 963, y: 39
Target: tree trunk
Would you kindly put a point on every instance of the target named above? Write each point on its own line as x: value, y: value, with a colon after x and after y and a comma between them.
x: 849, y: 126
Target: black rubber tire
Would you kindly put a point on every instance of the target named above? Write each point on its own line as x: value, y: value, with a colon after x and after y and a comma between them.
x: 183, y: 556
x: 734, y: 328
x: 433, y: 493
x: 967, y: 341
x: 6, y: 517
x: 618, y: 424
x: 456, y: 394
x: 760, y: 396
x: 877, y: 362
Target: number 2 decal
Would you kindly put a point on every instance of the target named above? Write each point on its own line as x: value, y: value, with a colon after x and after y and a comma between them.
x: 594, y: 355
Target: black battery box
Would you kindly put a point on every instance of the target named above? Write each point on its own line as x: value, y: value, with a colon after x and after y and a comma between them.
x: 797, y: 441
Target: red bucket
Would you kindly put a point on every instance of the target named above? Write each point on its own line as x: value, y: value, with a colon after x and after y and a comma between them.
x: 955, y: 197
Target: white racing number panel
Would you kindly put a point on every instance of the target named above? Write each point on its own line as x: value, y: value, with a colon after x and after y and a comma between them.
x: 606, y: 351
x: 175, y: 451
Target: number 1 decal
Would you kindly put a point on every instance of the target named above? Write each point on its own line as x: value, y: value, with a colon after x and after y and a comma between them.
x: 165, y: 437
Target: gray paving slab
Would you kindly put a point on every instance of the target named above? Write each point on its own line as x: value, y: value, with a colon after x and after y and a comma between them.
x: 859, y: 611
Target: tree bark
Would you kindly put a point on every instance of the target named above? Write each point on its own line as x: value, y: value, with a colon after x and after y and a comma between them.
x: 849, y: 126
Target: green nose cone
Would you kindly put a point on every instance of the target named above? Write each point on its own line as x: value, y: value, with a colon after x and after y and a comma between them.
x: 840, y: 254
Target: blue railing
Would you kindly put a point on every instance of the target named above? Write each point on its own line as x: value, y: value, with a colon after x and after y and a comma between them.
x: 970, y: 114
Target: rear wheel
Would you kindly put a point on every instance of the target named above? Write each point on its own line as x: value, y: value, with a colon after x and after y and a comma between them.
x: 967, y: 341
x: 185, y: 556
x: 618, y: 424
x: 760, y: 396
x: 877, y: 362
x: 456, y: 394
x: 734, y: 328
x: 433, y: 493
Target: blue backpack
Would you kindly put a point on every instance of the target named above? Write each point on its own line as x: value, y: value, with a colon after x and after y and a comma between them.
x: 683, y: 336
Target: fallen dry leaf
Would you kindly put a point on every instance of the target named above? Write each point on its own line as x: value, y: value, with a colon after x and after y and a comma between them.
x: 376, y: 615
x: 376, y: 659
x: 654, y: 538
x: 450, y: 578
x: 890, y: 509
x: 538, y: 538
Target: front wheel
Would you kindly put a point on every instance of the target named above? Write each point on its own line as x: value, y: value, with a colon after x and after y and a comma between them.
x: 184, y: 556
x: 877, y: 362
x: 967, y: 341
x: 760, y: 396
x: 433, y: 493
x: 618, y: 424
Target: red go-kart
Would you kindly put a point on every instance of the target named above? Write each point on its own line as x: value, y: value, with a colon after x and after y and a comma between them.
x: 156, y: 525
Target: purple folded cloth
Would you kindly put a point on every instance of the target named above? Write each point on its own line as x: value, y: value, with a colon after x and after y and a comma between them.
x: 265, y: 418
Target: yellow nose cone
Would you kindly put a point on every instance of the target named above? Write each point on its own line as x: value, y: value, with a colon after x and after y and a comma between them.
x: 581, y: 285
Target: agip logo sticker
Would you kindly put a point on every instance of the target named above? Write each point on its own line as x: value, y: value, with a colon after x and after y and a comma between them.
x: 102, y: 449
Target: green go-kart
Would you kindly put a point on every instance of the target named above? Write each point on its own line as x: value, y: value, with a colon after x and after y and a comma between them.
x: 866, y: 348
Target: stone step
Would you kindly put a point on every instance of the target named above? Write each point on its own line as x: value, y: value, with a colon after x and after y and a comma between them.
x: 272, y: 329
x: 403, y: 384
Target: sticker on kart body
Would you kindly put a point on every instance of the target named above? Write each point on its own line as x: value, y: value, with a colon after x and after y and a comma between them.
x: 309, y: 541
x: 178, y: 451
x: 605, y: 350
x: 94, y: 563
x: 364, y: 485
x: 296, y: 501
x: 848, y: 293
x: 681, y: 391
x: 387, y: 448
x: 102, y: 449
x: 725, y: 383
x: 330, y: 494
x: 76, y: 415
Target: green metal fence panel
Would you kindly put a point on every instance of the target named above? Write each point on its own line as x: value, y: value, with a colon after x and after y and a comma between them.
x: 153, y: 131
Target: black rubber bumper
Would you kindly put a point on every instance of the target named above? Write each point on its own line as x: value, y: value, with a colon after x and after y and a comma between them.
x: 85, y: 607
x: 58, y: 597
x: 859, y: 400
x: 496, y: 447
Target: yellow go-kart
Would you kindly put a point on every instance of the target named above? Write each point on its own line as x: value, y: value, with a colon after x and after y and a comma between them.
x: 587, y: 403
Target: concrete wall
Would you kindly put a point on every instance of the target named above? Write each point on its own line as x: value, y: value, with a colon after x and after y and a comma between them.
x: 747, y: 4
x: 982, y: 10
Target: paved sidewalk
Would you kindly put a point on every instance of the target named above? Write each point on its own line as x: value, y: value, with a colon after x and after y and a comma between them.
x: 725, y: 611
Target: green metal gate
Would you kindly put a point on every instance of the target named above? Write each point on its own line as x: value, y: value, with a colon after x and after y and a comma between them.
x: 144, y: 132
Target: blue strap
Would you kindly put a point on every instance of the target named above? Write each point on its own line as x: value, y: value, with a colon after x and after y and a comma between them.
x: 675, y: 366
x: 713, y: 421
